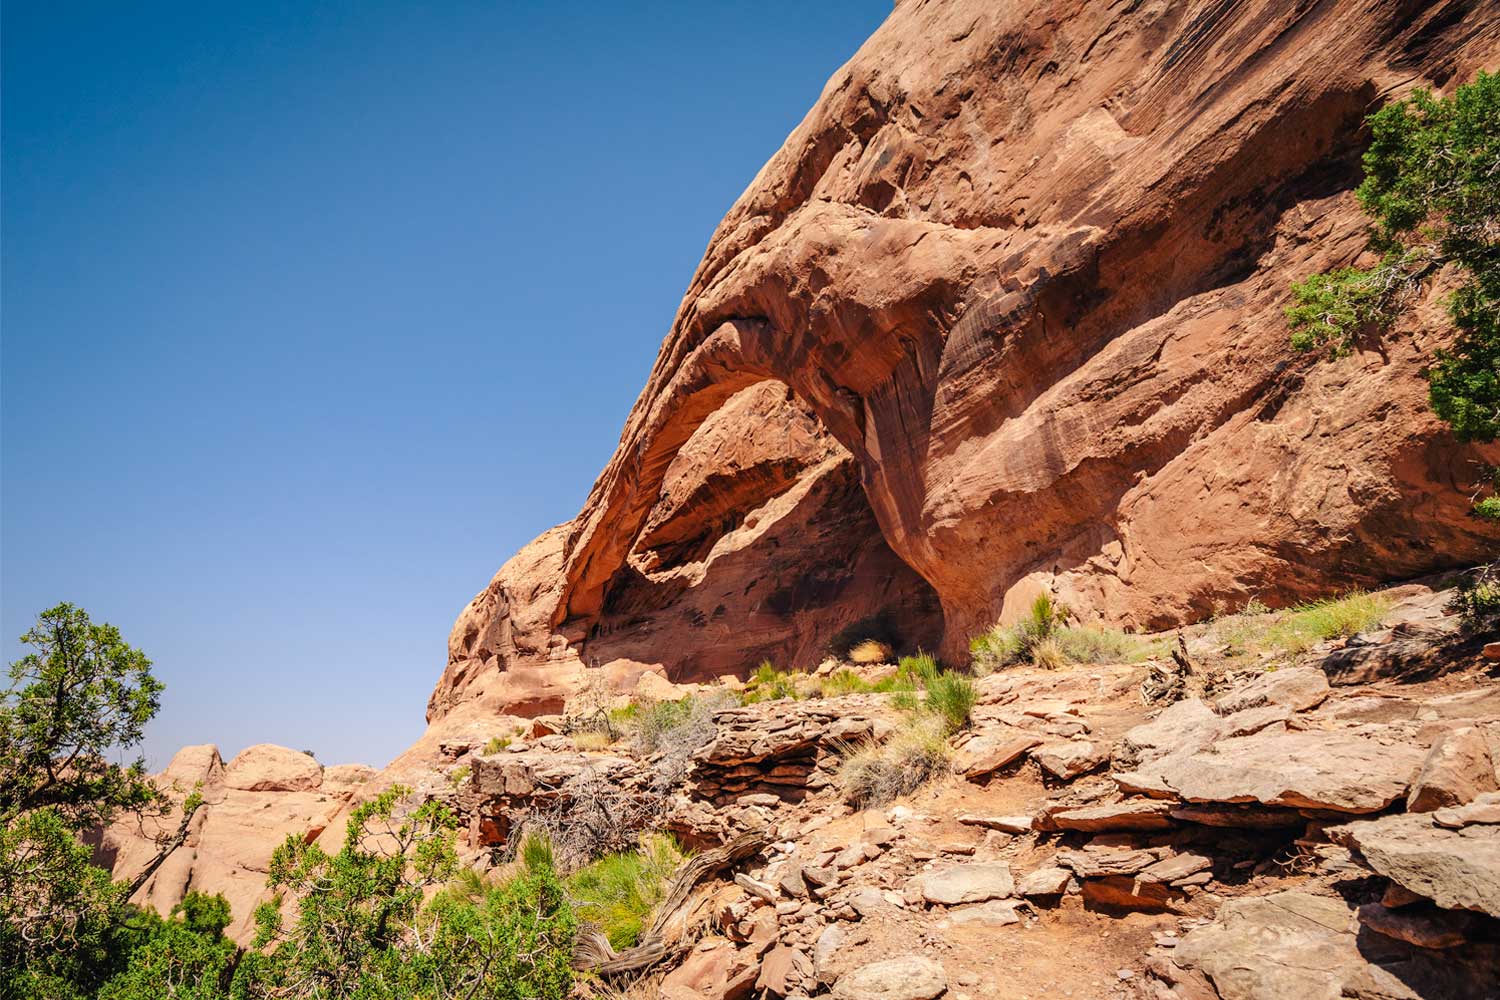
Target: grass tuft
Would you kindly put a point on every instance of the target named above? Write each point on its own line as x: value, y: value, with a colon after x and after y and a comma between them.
x: 875, y: 773
x: 618, y: 892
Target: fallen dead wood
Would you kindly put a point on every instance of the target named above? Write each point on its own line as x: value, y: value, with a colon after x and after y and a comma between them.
x: 592, y: 952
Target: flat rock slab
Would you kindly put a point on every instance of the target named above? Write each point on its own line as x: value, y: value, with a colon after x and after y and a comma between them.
x: 1458, y: 769
x: 1292, y: 945
x: 1005, y: 824
x: 1314, y: 769
x: 995, y: 913
x: 986, y: 753
x: 1144, y: 814
x: 1457, y: 869
x: 970, y: 883
x: 1044, y: 882
x: 1067, y: 760
x: 910, y: 977
x: 1297, y: 688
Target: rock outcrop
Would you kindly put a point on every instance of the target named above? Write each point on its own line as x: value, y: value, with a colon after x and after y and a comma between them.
x: 265, y: 794
x: 1005, y: 313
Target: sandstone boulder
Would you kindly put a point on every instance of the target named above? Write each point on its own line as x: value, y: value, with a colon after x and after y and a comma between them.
x: 910, y: 977
x: 1297, y: 688
x: 1067, y: 760
x: 967, y: 883
x: 1457, y: 770
x: 1457, y: 869
x: 267, y: 767
x: 1286, y: 945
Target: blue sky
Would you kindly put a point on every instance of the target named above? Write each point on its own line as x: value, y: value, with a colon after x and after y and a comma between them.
x: 312, y: 314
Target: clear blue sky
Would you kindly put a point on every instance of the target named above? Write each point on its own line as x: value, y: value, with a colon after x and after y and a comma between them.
x: 314, y: 313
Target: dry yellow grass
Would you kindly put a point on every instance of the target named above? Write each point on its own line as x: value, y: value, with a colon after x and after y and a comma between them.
x: 870, y: 651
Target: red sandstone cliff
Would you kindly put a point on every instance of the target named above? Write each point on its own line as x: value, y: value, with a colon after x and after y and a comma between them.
x: 1004, y: 313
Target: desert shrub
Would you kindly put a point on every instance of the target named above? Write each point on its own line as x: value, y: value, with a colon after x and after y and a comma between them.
x: 918, y: 669
x: 1043, y: 639
x: 877, y: 772
x: 618, y: 892
x: 363, y: 930
x: 950, y: 698
x: 844, y: 681
x: 1430, y: 190
x: 870, y: 651
x: 496, y: 744
x: 1477, y: 599
x: 1088, y: 644
x: 1280, y: 634
x: 459, y: 775
x: 768, y: 684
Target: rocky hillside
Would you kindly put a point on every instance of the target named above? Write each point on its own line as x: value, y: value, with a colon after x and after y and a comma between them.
x: 1005, y: 313
x: 1326, y: 828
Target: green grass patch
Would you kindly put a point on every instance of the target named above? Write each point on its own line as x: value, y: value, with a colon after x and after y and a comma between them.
x: 1292, y: 632
x: 619, y: 892
x: 1042, y: 639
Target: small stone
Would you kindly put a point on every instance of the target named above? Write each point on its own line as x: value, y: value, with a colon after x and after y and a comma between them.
x: 910, y: 977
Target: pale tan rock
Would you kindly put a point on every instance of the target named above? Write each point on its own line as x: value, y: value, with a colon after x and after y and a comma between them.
x: 966, y: 883
x: 1066, y: 761
x: 1457, y: 869
x: 1044, y: 882
x: 910, y: 977
x: 1313, y: 769
x: 346, y: 777
x: 1296, y: 688
x: 1285, y: 945
x: 1484, y: 809
x: 1457, y: 770
x: 267, y: 767
x: 1139, y: 814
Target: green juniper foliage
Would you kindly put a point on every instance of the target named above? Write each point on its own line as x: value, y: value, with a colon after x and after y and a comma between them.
x: 1432, y: 189
x: 66, y: 929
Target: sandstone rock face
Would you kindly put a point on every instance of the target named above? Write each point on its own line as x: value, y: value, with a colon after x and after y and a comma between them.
x: 267, y: 767
x: 249, y: 807
x: 1021, y: 270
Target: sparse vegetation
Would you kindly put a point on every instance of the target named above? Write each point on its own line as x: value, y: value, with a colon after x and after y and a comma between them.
x: 768, y: 684
x: 1044, y: 639
x: 618, y: 892
x: 950, y: 698
x: 1430, y: 189
x: 1259, y: 631
x: 497, y: 744
x: 1477, y: 600
x: 875, y: 773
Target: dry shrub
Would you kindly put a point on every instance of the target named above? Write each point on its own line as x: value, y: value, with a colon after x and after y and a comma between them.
x: 870, y: 651
x: 874, y: 773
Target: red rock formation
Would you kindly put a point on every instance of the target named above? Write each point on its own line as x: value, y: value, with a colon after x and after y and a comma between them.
x: 1024, y: 264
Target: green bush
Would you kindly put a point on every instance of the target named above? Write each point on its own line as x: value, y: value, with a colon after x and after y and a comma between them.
x: 950, y: 698
x: 1477, y: 599
x: 619, y: 892
x: 769, y: 684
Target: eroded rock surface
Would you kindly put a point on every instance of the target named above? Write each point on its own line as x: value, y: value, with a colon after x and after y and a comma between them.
x: 1005, y: 313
